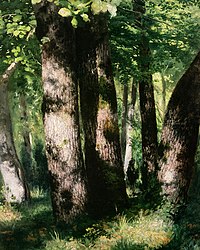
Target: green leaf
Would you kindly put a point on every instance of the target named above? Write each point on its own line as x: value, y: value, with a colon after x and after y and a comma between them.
x: 96, y: 6
x: 17, y: 18
x: 19, y: 59
x: 85, y: 17
x: 45, y: 39
x: 112, y: 9
x: 33, y: 23
x: 28, y: 28
x: 74, y: 22
x: 64, y: 12
x: 16, y: 33
x: 36, y: 1
x: 2, y: 23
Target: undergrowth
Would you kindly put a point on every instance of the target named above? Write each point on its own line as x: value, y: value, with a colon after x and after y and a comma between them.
x: 31, y: 226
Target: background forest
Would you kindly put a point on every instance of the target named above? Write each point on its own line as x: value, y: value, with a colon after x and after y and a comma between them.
x: 99, y: 124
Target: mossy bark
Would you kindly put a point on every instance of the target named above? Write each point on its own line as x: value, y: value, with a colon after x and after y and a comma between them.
x: 108, y: 141
x: 99, y: 117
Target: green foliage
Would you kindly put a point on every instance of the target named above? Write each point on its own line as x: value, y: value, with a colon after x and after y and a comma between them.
x: 80, y: 9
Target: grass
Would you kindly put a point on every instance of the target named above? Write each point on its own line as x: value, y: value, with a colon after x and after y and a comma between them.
x: 31, y: 226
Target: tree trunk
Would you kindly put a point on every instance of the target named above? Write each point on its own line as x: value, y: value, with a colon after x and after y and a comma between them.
x: 179, y: 135
x: 99, y: 117
x: 15, y: 187
x: 131, y: 108
x: 147, y: 103
x: 108, y: 141
x: 61, y: 116
x: 89, y: 98
x: 124, y: 120
x: 26, y: 151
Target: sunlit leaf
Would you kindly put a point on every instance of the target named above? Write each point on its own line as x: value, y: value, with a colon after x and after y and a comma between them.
x: 16, y: 32
x: 85, y: 17
x: 96, y: 6
x: 36, y: 1
x: 64, y: 12
x: 112, y: 9
x: 17, y: 18
x: 74, y: 22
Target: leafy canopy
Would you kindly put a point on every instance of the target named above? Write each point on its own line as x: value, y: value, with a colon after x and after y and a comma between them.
x: 76, y: 8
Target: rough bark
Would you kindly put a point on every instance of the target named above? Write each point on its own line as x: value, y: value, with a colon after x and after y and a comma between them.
x: 89, y: 97
x: 102, y: 151
x: 179, y: 136
x: 15, y: 187
x: 147, y: 102
x: 61, y: 116
x: 108, y: 141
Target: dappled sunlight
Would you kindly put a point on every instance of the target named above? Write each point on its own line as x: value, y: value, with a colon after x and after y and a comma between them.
x: 27, y: 225
x: 8, y: 215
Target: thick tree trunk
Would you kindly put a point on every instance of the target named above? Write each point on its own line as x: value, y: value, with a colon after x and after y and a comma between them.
x: 99, y: 117
x: 61, y: 116
x: 89, y: 98
x: 15, y: 188
x: 179, y: 136
x: 147, y: 102
x: 108, y: 141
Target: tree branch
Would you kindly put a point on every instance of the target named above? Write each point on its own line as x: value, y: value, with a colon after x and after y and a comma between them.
x: 8, y: 72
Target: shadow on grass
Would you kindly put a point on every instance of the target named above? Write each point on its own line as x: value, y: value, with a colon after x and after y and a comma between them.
x: 36, y: 226
x: 31, y: 229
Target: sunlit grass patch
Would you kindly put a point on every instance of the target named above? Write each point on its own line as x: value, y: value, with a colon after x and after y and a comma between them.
x: 8, y: 214
x: 146, y: 231
x: 64, y: 244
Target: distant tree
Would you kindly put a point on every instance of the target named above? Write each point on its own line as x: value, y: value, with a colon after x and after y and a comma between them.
x: 147, y: 102
x: 128, y: 158
x: 179, y: 136
x: 15, y: 187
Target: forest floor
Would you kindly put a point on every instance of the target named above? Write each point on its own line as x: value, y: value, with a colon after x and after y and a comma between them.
x: 31, y: 226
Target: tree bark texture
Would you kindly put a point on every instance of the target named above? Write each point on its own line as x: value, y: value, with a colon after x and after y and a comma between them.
x: 108, y: 141
x: 99, y: 117
x: 61, y: 116
x: 89, y: 98
x: 15, y: 188
x: 179, y: 135
x: 147, y: 102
